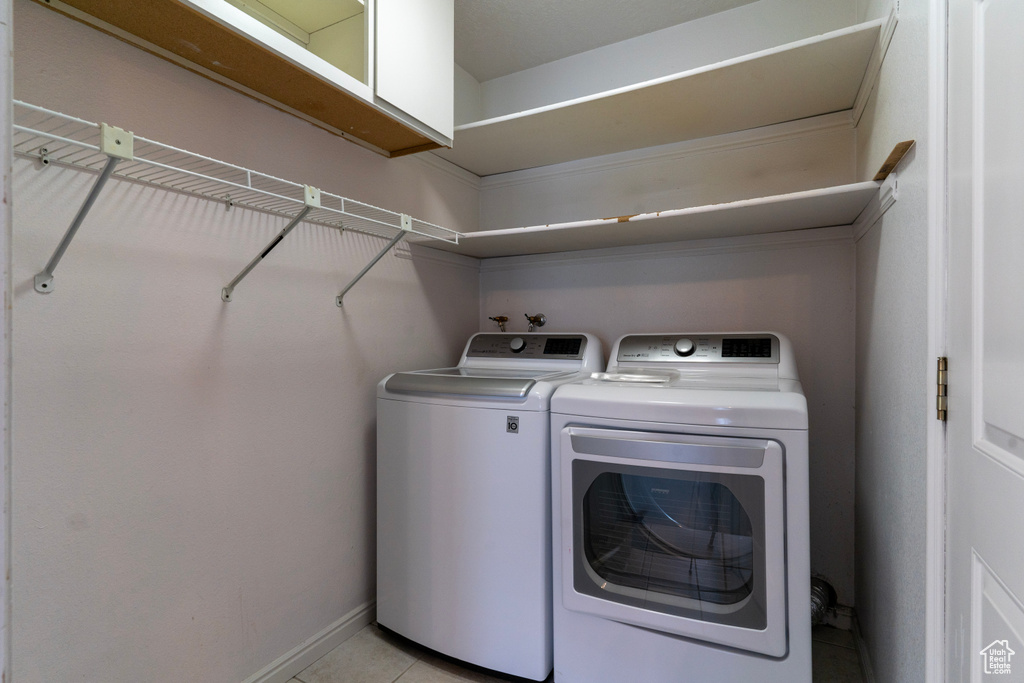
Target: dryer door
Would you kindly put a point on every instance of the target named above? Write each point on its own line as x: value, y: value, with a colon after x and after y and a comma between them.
x: 679, y: 533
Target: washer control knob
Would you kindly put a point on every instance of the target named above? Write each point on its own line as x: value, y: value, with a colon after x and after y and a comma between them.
x: 684, y: 347
x: 517, y: 344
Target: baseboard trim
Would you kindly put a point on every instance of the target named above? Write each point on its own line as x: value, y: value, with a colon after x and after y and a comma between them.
x: 862, y: 651
x: 285, y: 667
x: 841, y: 617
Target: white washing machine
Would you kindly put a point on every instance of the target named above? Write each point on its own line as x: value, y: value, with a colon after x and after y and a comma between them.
x: 464, y: 499
x: 680, y: 508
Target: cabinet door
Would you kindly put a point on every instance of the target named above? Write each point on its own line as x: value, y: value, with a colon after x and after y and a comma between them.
x: 415, y: 59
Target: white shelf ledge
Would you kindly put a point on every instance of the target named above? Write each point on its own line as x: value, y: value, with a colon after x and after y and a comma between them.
x: 821, y: 208
x: 810, y: 77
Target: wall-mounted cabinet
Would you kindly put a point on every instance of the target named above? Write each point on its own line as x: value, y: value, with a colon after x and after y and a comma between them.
x: 379, y: 72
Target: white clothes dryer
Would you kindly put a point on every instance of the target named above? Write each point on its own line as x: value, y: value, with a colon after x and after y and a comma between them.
x: 464, y: 499
x: 680, y: 509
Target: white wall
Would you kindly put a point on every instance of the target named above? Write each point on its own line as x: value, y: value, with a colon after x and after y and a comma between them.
x: 893, y: 406
x: 801, y: 285
x: 789, y: 157
x: 193, y: 481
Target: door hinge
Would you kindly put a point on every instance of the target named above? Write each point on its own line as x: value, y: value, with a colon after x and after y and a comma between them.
x: 940, y: 388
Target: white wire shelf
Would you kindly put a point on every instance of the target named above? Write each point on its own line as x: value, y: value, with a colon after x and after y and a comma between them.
x: 56, y: 138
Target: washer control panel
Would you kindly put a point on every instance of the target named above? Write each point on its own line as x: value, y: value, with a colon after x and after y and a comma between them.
x: 533, y: 346
x: 697, y: 348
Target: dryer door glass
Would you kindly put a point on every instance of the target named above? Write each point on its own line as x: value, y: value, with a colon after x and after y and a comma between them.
x: 689, y: 544
x: 679, y: 533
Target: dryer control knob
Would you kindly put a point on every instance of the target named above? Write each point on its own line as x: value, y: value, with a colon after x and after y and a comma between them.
x: 517, y: 344
x: 684, y: 347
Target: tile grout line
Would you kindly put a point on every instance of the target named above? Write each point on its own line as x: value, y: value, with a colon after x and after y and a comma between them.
x: 406, y: 670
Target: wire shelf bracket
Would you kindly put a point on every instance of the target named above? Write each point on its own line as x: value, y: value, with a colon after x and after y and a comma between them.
x: 116, y: 144
x: 52, y: 138
x: 406, y: 228
x: 311, y: 198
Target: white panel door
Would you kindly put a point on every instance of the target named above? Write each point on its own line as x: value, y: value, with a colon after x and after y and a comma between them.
x: 416, y: 59
x: 985, y: 524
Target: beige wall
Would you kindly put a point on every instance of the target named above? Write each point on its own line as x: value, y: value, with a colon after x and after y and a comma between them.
x: 789, y: 158
x: 194, y: 481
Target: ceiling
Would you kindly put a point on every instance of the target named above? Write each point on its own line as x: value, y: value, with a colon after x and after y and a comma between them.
x: 497, y: 37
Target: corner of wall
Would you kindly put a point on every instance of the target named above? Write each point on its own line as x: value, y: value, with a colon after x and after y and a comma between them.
x: 862, y: 651
x: 892, y: 303
x: 468, y: 97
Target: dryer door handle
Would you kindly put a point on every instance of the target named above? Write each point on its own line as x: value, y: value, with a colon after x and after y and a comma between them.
x: 747, y: 453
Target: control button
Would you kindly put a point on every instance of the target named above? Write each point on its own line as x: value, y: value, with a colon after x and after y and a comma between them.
x: 517, y: 344
x: 684, y: 347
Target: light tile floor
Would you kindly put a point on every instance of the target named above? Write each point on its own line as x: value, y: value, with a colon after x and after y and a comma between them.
x: 376, y: 656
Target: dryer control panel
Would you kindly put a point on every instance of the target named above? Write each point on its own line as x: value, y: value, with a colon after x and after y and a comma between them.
x: 698, y: 348
x: 531, y: 346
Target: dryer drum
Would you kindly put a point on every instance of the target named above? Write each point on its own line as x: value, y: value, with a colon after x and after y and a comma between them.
x: 680, y: 537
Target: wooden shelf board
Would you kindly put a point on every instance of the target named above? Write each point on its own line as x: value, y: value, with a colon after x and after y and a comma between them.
x: 826, y: 207
x: 806, y: 78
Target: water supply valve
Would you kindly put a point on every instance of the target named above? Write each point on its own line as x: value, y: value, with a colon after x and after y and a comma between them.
x: 536, y: 321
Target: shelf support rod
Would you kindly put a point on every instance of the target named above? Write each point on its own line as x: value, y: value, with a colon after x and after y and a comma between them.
x: 311, y: 198
x: 117, y: 144
x: 406, y: 227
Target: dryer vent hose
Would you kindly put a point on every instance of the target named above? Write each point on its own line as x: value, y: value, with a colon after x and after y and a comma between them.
x: 823, y: 599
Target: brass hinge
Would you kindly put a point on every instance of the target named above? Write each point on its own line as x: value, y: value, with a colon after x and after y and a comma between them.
x: 940, y: 393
